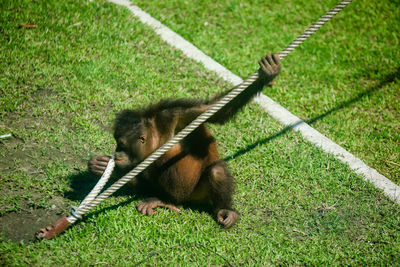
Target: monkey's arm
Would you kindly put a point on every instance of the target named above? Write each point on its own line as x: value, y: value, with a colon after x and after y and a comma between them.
x: 184, y: 117
x: 269, y: 68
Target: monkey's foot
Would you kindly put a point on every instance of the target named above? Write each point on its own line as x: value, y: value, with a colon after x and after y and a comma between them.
x: 147, y: 206
x: 56, y: 228
x: 227, y: 217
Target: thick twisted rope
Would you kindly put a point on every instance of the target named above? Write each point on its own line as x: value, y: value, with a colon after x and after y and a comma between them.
x: 75, y: 215
x: 91, y: 201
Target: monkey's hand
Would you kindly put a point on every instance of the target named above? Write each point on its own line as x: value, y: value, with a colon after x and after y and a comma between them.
x: 98, y: 164
x: 148, y: 205
x: 270, y: 66
x: 227, y: 217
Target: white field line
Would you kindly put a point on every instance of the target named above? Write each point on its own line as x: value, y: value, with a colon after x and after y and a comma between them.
x: 278, y: 112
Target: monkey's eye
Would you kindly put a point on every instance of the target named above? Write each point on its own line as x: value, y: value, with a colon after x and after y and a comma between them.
x: 142, y: 139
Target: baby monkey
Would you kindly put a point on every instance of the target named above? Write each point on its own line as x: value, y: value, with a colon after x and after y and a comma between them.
x: 191, y: 171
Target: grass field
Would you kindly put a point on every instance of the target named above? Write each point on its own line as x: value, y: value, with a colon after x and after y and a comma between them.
x: 344, y: 80
x: 62, y: 82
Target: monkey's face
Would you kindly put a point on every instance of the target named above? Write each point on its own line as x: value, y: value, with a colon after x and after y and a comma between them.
x: 133, y: 146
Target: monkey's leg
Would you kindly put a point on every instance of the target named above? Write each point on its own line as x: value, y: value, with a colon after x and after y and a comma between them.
x: 148, y: 205
x: 222, y: 187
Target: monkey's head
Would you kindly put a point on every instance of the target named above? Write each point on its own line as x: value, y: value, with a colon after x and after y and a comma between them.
x: 133, y: 134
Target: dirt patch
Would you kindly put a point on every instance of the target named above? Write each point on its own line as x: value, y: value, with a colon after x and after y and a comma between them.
x: 26, y: 217
x: 22, y: 226
x: 28, y: 185
x: 17, y: 153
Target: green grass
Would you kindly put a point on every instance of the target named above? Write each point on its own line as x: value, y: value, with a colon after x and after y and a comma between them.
x: 344, y: 80
x: 61, y: 84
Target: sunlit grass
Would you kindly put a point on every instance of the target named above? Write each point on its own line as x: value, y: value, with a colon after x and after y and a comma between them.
x: 61, y: 85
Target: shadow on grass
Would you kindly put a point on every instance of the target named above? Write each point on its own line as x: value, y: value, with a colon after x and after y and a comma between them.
x: 83, y: 182
x: 386, y: 80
